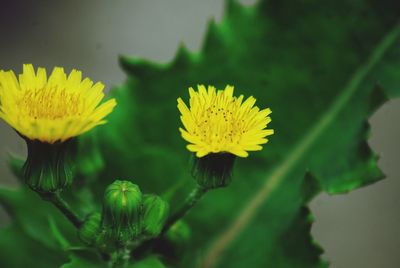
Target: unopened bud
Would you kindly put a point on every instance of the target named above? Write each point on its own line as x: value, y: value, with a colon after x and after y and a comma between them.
x: 155, y: 214
x: 90, y: 229
x: 122, y: 210
x: 179, y: 232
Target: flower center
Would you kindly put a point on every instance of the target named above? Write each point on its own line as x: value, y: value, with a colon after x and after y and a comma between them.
x: 220, y: 123
x: 49, y: 103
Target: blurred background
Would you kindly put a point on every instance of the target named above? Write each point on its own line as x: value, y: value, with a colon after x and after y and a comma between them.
x: 360, y: 229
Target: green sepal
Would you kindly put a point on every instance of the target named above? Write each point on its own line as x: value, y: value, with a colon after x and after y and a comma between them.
x: 90, y: 229
x: 106, y: 241
x: 122, y: 210
x: 93, y: 234
x: 48, y: 167
x: 213, y: 170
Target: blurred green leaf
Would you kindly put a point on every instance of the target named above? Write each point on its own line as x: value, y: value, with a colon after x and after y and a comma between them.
x: 57, y: 234
x: 322, y: 67
x: 19, y: 250
x: 32, y: 215
x: 149, y: 262
x: 80, y: 262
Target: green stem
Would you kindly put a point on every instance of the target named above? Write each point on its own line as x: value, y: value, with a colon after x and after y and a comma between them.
x: 121, y: 258
x: 191, y: 200
x: 63, y: 206
x: 146, y: 244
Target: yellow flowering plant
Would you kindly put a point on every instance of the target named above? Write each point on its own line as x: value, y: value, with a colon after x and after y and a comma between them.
x: 184, y: 164
x: 49, y: 113
x: 53, y: 109
x: 219, y: 127
x: 218, y: 122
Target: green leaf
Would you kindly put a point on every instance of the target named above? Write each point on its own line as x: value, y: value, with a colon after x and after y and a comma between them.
x: 323, y: 68
x: 43, y: 224
x: 57, y: 234
x: 149, y: 262
x: 19, y: 250
x: 78, y: 261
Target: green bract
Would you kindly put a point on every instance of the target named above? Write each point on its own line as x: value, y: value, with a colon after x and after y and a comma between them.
x: 90, y: 229
x: 122, y: 210
x: 213, y: 170
x: 155, y: 214
x: 48, y: 167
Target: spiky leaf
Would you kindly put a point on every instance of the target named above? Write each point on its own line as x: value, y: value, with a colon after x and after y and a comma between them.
x: 323, y: 68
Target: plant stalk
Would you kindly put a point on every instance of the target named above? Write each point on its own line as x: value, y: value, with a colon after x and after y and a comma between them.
x: 121, y: 258
x: 63, y: 206
x: 190, y: 201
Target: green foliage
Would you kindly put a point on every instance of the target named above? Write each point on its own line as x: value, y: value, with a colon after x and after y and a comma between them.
x: 122, y: 210
x: 150, y: 262
x: 34, y: 216
x: 90, y: 229
x: 20, y: 250
x: 323, y: 68
x: 80, y: 258
x: 155, y: 213
x: 317, y: 66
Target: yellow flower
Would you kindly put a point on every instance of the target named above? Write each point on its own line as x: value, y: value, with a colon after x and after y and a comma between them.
x: 218, y: 122
x: 51, y: 109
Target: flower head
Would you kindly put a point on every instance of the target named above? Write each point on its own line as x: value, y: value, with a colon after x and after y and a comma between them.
x: 51, y: 109
x: 218, y: 122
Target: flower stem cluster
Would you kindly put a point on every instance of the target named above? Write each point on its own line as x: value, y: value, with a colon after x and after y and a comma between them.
x: 127, y: 216
x: 219, y: 128
x: 49, y: 113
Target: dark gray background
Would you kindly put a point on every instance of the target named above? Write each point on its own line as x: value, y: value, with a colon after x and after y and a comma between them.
x: 360, y: 229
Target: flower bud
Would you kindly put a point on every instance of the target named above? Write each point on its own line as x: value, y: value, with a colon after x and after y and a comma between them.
x: 48, y: 167
x: 105, y: 242
x: 213, y: 170
x: 177, y: 238
x: 179, y: 232
x: 155, y: 214
x: 122, y: 210
x: 90, y: 229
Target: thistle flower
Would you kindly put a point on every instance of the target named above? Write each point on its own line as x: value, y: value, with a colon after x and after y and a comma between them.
x: 220, y: 127
x: 53, y: 109
x: 218, y: 122
x: 48, y: 113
